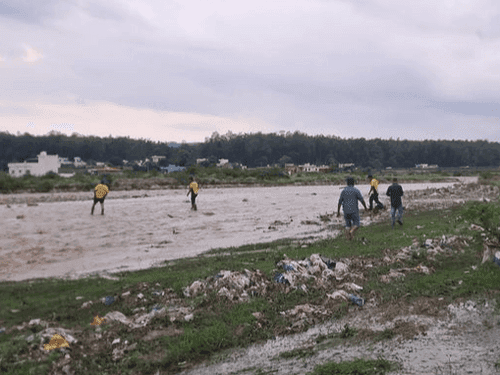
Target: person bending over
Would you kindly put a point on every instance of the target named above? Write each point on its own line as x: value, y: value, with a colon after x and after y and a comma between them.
x: 373, y: 193
x: 100, y: 192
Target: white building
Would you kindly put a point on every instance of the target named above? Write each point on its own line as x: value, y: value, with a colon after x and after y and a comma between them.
x: 222, y: 162
x: 308, y: 168
x: 46, y: 163
x: 78, y: 162
x: 157, y: 158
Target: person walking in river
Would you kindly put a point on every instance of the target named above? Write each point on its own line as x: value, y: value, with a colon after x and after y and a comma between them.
x: 349, y: 201
x: 373, y: 193
x: 100, y: 192
x: 395, y: 192
x: 193, y: 190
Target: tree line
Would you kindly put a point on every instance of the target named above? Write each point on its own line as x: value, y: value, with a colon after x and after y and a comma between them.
x: 256, y: 149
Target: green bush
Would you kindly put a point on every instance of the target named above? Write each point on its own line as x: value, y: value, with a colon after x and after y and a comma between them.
x: 487, y: 215
x: 44, y: 186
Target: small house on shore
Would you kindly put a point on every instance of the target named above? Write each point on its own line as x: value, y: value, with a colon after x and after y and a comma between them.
x: 40, y: 166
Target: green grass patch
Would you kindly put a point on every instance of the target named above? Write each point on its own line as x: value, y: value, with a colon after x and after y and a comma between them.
x: 298, y: 353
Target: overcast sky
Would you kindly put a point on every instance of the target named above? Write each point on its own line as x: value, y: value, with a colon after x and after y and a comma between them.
x: 180, y: 70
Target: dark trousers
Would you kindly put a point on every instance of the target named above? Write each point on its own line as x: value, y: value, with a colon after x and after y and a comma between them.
x: 374, y: 197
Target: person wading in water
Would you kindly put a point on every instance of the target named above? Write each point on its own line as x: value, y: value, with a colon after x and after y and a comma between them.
x: 193, y: 190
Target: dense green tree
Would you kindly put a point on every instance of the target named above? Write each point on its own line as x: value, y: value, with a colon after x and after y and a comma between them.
x: 257, y: 149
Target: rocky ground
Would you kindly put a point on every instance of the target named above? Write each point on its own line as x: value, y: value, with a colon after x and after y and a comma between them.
x: 460, y: 338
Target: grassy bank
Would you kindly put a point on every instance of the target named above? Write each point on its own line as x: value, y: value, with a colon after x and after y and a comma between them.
x: 129, y: 180
x: 219, y: 323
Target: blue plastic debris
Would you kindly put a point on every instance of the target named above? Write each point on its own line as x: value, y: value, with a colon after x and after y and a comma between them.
x: 2, y: 330
x: 329, y: 262
x: 496, y: 258
x: 156, y: 308
x: 109, y: 300
x: 288, y: 267
x: 280, y: 278
x: 357, y: 300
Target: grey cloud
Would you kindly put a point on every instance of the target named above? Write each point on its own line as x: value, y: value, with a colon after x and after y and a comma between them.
x: 26, y: 10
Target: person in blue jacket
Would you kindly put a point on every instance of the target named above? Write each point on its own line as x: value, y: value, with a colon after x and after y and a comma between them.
x: 349, y: 201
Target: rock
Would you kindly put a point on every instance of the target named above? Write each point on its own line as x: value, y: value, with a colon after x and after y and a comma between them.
x: 189, y: 317
x: 116, y: 341
x: 257, y: 315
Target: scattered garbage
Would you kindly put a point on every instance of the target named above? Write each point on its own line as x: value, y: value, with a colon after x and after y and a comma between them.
x: 158, y: 293
x: 86, y: 305
x: 476, y: 227
x: 118, y: 353
x: 236, y: 286
x: 108, y: 300
x: 357, y: 300
x: 2, y: 330
x: 66, y: 335
x: 97, y: 321
x: 301, y: 315
x: 120, y: 317
x: 280, y: 278
x: 401, y: 272
x: 496, y: 258
x: 56, y: 342
x: 288, y: 267
x: 339, y: 294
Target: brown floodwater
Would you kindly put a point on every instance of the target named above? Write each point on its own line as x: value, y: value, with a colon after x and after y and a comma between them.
x: 62, y: 239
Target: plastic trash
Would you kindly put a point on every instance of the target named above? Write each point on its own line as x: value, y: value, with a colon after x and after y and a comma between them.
x: 357, y: 300
x: 288, y: 267
x: 158, y: 293
x: 329, y: 262
x: 2, y: 330
x: 496, y: 258
x: 109, y: 300
x: 156, y: 308
x: 280, y: 278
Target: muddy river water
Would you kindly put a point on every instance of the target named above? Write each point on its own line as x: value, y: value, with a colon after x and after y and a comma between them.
x: 62, y: 239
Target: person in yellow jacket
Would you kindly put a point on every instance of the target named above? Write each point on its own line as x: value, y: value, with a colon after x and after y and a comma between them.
x: 193, y: 190
x: 100, y: 192
x: 373, y: 193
